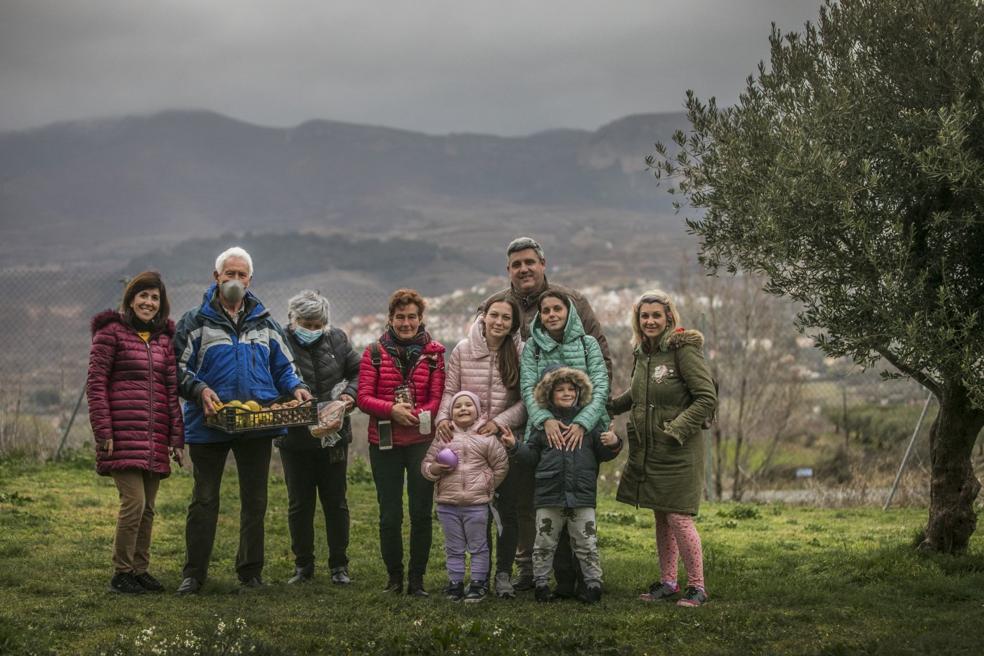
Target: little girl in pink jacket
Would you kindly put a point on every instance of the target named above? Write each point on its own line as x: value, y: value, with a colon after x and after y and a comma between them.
x: 463, y: 493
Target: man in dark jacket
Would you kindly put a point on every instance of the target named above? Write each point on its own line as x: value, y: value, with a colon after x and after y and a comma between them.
x: 230, y: 349
x: 526, y: 265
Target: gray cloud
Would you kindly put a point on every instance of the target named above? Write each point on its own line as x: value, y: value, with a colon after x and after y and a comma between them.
x: 504, y: 67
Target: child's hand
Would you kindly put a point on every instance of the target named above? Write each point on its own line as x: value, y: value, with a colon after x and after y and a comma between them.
x: 507, y: 438
x: 438, y: 470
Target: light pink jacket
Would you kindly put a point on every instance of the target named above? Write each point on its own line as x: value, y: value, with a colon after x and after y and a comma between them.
x: 482, y: 464
x: 474, y: 368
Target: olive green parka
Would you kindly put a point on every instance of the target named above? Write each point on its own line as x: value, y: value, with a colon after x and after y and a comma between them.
x: 665, y: 466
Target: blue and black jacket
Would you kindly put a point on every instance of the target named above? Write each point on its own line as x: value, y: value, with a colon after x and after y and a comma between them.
x: 248, y: 361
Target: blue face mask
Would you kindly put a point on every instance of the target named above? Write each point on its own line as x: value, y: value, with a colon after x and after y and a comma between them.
x: 306, y: 336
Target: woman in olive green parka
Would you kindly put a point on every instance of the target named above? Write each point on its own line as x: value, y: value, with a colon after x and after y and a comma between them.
x: 671, y: 395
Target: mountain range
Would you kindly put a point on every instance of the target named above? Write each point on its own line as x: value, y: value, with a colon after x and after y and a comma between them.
x: 133, y: 189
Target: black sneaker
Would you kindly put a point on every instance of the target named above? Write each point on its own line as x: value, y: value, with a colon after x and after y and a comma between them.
x: 189, y: 586
x: 394, y: 584
x: 660, y: 591
x: 252, y: 583
x: 693, y: 597
x: 591, y: 594
x: 523, y: 582
x: 415, y: 587
x: 148, y: 582
x: 543, y: 594
x: 125, y: 583
x: 455, y: 590
x: 477, y: 591
x: 340, y: 575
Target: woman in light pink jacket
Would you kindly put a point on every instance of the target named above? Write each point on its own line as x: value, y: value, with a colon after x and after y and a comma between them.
x: 486, y: 363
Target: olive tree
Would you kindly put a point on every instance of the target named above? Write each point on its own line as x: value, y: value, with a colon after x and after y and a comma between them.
x: 850, y: 173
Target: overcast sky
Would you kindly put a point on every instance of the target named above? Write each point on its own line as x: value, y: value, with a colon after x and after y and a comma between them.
x: 505, y: 67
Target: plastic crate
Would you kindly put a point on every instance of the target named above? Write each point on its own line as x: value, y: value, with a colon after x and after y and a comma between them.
x: 242, y: 420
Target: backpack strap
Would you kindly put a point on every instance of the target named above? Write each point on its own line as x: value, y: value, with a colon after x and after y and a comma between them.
x: 375, y: 356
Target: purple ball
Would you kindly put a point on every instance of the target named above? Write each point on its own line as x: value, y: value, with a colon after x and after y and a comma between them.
x: 447, y: 457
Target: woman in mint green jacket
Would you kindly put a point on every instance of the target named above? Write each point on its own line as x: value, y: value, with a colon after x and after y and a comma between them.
x: 557, y: 337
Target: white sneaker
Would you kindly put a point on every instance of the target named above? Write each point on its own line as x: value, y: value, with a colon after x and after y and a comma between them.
x: 504, y: 587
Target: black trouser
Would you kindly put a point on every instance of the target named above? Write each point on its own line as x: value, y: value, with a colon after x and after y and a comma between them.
x: 311, y: 474
x: 505, y: 505
x: 253, y: 466
x: 388, y: 469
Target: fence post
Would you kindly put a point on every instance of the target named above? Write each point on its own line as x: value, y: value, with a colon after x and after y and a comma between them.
x: 71, y: 420
x: 908, y: 452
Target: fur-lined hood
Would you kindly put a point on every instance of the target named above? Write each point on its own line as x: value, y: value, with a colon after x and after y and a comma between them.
x: 675, y: 339
x: 543, y: 389
x: 107, y: 317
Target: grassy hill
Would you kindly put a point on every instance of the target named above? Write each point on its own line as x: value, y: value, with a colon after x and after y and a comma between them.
x: 781, y: 580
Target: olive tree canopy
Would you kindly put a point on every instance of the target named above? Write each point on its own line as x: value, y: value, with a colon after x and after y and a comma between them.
x: 850, y: 173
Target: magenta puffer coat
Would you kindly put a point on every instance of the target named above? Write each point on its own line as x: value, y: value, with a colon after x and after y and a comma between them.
x: 133, y: 396
x: 377, y: 387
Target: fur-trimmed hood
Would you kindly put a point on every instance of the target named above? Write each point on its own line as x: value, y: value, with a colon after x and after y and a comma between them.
x: 683, y: 337
x: 543, y: 389
x: 107, y: 317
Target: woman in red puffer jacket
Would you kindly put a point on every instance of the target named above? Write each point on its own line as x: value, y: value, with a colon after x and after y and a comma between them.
x: 133, y: 408
x: 401, y: 380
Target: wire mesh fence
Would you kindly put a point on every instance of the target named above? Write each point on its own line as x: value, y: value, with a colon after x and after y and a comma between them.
x: 786, y: 412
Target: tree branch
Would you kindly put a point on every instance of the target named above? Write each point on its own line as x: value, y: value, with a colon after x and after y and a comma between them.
x: 912, y: 372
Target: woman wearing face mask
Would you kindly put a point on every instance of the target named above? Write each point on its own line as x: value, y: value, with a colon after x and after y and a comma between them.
x: 401, y: 380
x: 133, y: 408
x: 671, y: 395
x: 486, y: 363
x: 315, y: 467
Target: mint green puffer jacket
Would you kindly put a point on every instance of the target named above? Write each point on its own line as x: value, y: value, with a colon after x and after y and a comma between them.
x: 579, y: 351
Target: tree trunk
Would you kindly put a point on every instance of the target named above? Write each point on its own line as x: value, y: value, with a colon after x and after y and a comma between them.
x: 953, y: 487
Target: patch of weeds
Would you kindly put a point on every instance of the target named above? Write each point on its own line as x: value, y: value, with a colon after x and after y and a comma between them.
x: 815, y: 528
x: 792, y: 522
x: 359, y: 471
x: 740, y: 511
x: 87, y: 502
x: 221, y: 639
x: 814, y: 542
x: 15, y: 498
x: 608, y: 541
x: 730, y: 523
x: 617, y: 517
x: 13, y: 550
x: 788, y: 545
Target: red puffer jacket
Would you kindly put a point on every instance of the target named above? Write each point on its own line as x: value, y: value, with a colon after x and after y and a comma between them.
x: 376, y: 390
x: 133, y: 396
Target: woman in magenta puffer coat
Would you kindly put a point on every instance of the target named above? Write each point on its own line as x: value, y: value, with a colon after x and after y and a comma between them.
x: 132, y: 388
x: 401, y: 379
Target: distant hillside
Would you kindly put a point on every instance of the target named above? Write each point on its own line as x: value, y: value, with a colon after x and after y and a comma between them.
x: 124, y: 186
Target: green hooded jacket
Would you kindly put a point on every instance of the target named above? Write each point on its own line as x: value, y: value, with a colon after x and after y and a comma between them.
x: 665, y: 467
x: 579, y: 351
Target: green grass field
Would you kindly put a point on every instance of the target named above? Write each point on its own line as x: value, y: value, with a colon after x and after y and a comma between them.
x: 781, y: 580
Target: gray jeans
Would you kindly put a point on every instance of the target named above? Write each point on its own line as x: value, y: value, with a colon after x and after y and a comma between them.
x: 581, y: 525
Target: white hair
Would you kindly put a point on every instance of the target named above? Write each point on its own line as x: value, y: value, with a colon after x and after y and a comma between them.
x: 309, y: 305
x: 235, y: 251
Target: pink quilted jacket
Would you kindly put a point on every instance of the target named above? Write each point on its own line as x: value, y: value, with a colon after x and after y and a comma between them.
x: 375, y: 397
x: 482, y: 464
x: 133, y: 396
x: 474, y: 368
